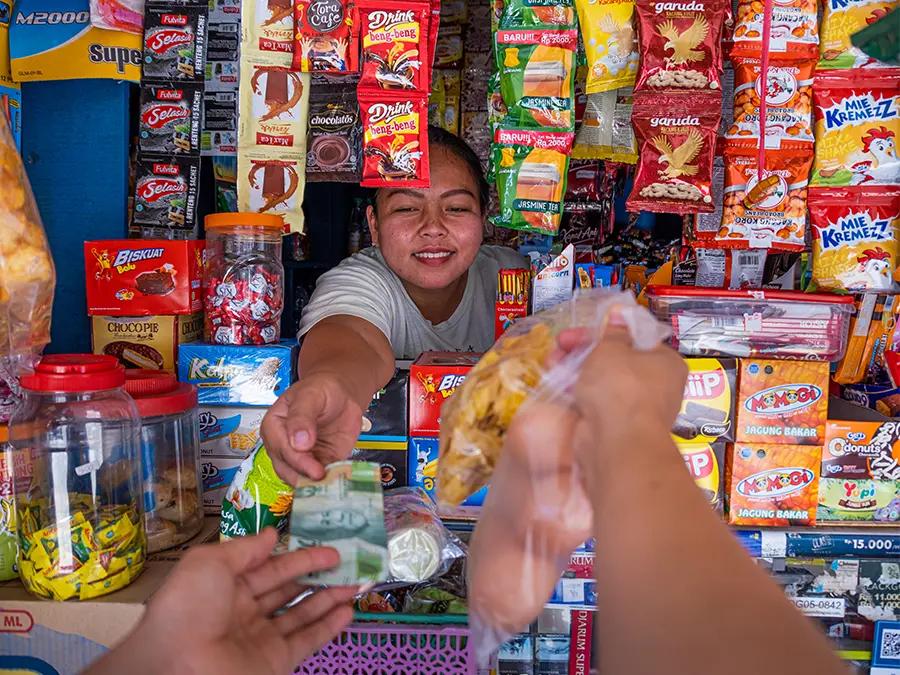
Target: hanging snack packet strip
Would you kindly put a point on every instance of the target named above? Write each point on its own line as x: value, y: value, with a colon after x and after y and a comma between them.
x: 609, y: 43
x: 333, y: 141
x: 855, y: 231
x: 267, y: 26
x: 788, y: 104
x: 857, y: 126
x: 270, y: 181
x: 768, y: 212
x: 794, y: 29
x: 326, y: 36
x: 394, y: 38
x: 273, y: 106
x: 538, y: 14
x: 530, y: 169
x: 681, y: 45
x: 840, y: 20
x: 605, y: 131
x: 395, y: 140
x: 537, y: 77
x: 677, y: 140
x: 174, y: 43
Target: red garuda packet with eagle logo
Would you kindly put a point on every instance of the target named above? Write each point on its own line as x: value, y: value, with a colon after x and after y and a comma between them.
x: 395, y: 140
x: 676, y: 137
x: 681, y: 45
x: 394, y: 38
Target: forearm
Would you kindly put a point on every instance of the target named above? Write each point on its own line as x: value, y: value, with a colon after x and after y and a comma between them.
x: 361, y: 362
x: 676, y: 591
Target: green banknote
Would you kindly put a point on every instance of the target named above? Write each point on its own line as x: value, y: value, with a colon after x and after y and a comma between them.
x: 344, y: 510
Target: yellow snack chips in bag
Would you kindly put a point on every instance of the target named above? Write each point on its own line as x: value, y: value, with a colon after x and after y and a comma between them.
x: 840, y: 20
x: 609, y: 42
x: 855, y: 237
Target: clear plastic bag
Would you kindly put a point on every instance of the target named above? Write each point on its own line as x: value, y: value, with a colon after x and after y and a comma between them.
x: 27, y: 276
x: 537, y: 511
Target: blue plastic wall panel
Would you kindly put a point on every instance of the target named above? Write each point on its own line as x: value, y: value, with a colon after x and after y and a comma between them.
x: 75, y: 141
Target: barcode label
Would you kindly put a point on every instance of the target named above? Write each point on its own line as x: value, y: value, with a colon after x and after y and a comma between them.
x: 227, y: 27
x: 748, y: 259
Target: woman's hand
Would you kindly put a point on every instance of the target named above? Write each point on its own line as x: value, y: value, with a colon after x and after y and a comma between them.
x: 312, y: 424
x: 214, y: 614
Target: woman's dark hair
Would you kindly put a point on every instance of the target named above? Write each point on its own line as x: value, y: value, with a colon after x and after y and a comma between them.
x: 452, y: 143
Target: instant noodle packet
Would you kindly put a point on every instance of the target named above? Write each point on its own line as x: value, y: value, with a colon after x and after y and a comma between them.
x: 394, y: 36
x: 855, y: 231
x: 768, y: 212
x: 788, y: 104
x: 268, y: 26
x: 840, y: 20
x: 530, y: 169
x: 537, y: 81
x: 857, y: 122
x: 773, y: 485
x: 395, y: 140
x: 537, y: 14
x: 271, y: 181
x: 273, y: 107
x: 326, y: 36
x: 681, y: 45
x: 794, y: 30
x: 609, y: 43
x: 677, y: 140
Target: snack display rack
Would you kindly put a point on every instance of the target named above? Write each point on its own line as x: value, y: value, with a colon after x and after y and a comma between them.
x: 733, y: 165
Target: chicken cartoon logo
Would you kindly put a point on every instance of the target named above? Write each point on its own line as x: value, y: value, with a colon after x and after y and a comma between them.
x: 684, y: 43
x: 103, y: 264
x: 677, y: 159
x: 880, y: 147
x: 873, y: 270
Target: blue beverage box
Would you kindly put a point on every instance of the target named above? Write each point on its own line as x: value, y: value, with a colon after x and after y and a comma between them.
x: 422, y: 467
x: 244, y: 375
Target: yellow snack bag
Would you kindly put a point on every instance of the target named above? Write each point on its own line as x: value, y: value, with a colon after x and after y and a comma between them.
x: 840, y: 20
x: 609, y: 42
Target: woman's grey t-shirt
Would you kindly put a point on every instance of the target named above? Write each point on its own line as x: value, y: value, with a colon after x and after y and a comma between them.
x: 364, y: 286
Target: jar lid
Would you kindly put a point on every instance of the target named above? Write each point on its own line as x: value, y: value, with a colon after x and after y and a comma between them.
x: 159, y: 393
x: 75, y: 373
x: 265, y: 220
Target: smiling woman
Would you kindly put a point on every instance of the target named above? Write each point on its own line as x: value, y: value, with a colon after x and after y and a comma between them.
x: 428, y: 283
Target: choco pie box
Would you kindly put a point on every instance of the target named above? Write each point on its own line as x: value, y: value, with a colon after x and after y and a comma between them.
x: 433, y: 378
x: 143, y: 277
x: 782, y: 402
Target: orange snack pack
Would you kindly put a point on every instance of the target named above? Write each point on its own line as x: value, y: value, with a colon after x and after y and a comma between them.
x: 872, y: 329
x: 794, y: 28
x: 782, y: 401
x: 681, y: 45
x: 773, y: 485
x: 676, y: 137
x: 767, y: 213
x: 788, y: 104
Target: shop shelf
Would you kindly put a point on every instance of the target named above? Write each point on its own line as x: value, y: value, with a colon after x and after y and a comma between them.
x: 820, y: 542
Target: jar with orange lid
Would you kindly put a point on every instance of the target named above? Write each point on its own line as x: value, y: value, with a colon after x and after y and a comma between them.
x: 243, y: 278
x: 170, y: 456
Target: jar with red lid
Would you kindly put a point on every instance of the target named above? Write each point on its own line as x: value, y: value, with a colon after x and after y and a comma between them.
x: 80, y: 511
x: 243, y: 278
x: 170, y: 456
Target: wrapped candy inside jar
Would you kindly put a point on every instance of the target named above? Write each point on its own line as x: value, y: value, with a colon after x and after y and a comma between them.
x: 243, y: 279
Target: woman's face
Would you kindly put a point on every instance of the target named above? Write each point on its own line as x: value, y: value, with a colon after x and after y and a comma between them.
x: 430, y: 236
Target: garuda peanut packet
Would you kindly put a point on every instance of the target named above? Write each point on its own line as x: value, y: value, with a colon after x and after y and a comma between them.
x: 537, y: 81
x: 609, y: 44
x: 676, y: 138
x: 681, y: 45
x: 530, y: 169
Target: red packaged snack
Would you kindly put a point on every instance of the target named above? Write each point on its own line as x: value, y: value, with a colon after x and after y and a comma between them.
x: 395, y: 140
x: 794, y: 29
x: 432, y: 379
x: 143, y: 277
x: 769, y: 212
x: 394, y: 38
x: 788, y: 104
x: 676, y: 136
x: 326, y: 36
x: 681, y: 45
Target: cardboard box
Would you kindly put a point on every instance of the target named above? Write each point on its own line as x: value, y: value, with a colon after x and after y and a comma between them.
x: 706, y: 464
x: 145, y: 341
x: 387, y: 413
x: 773, y: 485
x: 143, y: 277
x: 39, y: 636
x: 433, y: 377
x: 217, y: 474
x: 253, y: 375
x: 423, y: 459
x: 229, y: 431
x: 391, y: 455
x: 782, y: 402
x: 707, y: 410
x: 860, y: 472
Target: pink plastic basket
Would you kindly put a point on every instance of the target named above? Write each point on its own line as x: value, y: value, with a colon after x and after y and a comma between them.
x: 394, y: 650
